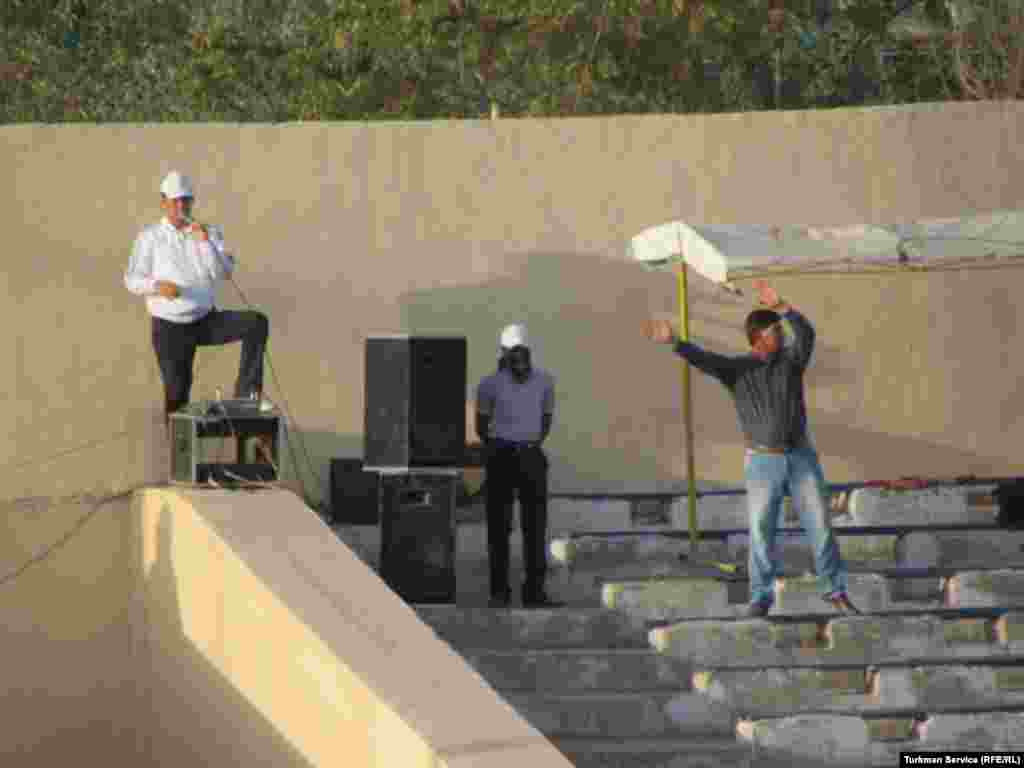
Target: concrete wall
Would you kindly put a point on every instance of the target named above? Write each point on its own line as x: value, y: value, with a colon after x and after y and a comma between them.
x: 345, y: 230
x: 218, y: 628
x: 264, y: 640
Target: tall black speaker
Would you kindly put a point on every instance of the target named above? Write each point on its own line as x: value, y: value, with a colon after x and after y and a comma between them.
x: 417, y: 534
x: 415, y: 401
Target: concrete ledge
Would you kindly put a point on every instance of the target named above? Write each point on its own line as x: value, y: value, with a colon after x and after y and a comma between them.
x: 929, y: 506
x: 980, y: 589
x: 859, y: 691
x: 574, y: 671
x: 662, y: 753
x: 517, y: 629
x: 566, y: 515
x: 847, y: 641
x: 783, y: 692
x: 979, y: 731
x: 626, y: 715
x: 678, y: 598
x: 835, y: 740
x: 664, y: 599
x: 714, y: 513
x: 343, y: 669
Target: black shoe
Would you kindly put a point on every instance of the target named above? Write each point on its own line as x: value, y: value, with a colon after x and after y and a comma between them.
x: 758, y: 609
x: 841, y: 602
x: 502, y: 600
x: 539, y: 600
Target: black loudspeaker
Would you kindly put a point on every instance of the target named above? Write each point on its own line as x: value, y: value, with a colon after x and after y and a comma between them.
x: 354, y: 493
x: 415, y: 401
x: 417, y: 534
x: 1010, y: 498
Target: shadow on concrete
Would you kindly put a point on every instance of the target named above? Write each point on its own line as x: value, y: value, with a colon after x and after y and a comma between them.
x: 197, y: 717
x: 605, y: 442
x: 578, y: 333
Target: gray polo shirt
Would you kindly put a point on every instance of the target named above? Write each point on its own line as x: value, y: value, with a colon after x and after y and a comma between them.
x: 515, y: 408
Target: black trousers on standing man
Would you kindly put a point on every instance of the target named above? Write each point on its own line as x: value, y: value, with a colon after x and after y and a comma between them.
x: 517, y: 468
x: 175, y: 346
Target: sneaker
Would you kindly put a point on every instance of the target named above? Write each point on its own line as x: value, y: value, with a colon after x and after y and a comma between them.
x: 758, y: 609
x: 840, y: 601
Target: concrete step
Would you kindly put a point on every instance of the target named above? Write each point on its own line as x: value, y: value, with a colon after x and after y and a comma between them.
x: 577, y: 671
x: 737, y: 753
x: 854, y: 741
x: 854, y: 641
x: 896, y: 692
x: 824, y: 740
x: 662, y: 552
x: 678, y: 598
x: 929, y: 506
x: 624, y: 714
x: 518, y: 629
x: 662, y: 753
x: 684, y: 598
x: 724, y: 510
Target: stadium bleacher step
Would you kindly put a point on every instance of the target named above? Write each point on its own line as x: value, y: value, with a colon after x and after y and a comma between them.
x: 848, y: 641
x: 580, y: 670
x: 519, y: 628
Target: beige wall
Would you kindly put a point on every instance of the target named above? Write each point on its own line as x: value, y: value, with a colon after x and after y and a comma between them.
x: 266, y: 641
x: 345, y: 230
x: 219, y: 628
x: 65, y: 633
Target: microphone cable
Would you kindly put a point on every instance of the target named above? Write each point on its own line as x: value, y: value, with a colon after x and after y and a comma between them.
x: 286, y: 408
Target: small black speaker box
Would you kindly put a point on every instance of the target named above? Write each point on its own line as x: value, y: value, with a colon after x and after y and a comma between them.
x: 417, y: 535
x: 415, y: 401
x: 1010, y: 498
x: 354, y: 493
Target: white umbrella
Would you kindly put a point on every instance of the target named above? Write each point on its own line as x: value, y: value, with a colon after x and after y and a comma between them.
x: 724, y: 253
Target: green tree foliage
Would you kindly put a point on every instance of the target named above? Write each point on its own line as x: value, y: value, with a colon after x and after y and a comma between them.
x: 279, y: 60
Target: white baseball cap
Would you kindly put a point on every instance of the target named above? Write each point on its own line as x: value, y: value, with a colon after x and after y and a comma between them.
x: 513, y: 336
x: 176, y: 185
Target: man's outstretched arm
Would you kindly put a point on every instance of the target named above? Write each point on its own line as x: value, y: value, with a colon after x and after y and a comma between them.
x: 722, y: 367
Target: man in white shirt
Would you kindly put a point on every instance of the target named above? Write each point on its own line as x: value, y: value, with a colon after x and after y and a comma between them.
x: 515, y: 410
x: 176, y: 265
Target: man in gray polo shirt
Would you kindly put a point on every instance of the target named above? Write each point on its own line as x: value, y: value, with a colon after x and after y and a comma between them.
x: 515, y: 409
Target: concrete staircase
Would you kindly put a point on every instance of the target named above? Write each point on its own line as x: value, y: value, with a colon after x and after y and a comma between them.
x: 651, y: 663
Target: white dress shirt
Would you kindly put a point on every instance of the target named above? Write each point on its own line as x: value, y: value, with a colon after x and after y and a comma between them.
x: 162, y: 252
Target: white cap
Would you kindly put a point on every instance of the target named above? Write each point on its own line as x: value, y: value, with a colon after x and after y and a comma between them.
x: 176, y: 185
x: 513, y: 336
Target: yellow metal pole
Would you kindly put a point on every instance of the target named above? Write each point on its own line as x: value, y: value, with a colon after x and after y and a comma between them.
x: 684, y: 334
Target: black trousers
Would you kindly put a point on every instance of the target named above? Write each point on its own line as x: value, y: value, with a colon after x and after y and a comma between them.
x: 515, y: 469
x: 175, y: 346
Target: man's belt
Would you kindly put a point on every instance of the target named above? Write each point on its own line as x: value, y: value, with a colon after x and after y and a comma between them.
x: 773, y: 449
x: 516, y: 445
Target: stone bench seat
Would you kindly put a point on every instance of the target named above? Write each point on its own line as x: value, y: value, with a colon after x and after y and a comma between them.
x: 691, y: 752
x: 534, y: 628
x: 578, y: 670
x: 849, y: 641
x: 682, y: 597
x: 877, y: 741
x: 892, y: 692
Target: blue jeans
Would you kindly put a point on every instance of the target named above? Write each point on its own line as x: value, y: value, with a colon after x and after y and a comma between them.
x: 769, y: 477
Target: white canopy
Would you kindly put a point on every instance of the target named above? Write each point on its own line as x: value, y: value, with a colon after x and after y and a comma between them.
x: 727, y: 252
